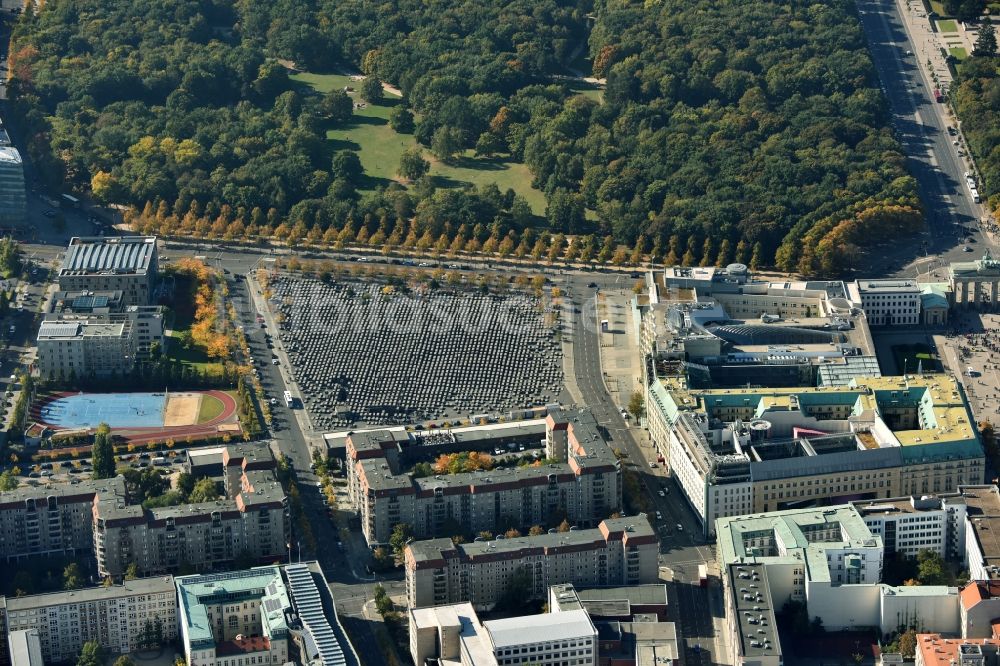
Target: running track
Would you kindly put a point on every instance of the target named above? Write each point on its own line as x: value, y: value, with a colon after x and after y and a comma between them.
x: 146, y: 435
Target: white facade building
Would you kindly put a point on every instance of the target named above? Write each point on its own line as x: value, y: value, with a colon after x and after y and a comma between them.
x: 454, y: 634
x: 889, y: 302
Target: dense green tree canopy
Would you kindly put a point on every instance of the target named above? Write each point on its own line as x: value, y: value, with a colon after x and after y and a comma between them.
x: 753, y: 121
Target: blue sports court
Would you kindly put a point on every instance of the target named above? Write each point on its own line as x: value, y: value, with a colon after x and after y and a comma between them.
x: 118, y: 410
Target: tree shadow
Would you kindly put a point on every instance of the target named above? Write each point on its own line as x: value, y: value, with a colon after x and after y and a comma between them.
x: 357, y: 121
x: 479, y: 163
x: 336, y: 144
x: 449, y: 182
x: 367, y: 182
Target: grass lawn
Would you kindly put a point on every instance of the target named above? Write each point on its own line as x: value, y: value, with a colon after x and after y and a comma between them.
x: 913, y: 356
x: 947, y: 25
x: 959, y: 52
x: 379, y: 148
x: 211, y: 407
x: 938, y: 7
x: 192, y: 357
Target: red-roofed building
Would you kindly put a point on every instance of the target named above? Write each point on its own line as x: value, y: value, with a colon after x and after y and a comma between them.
x: 932, y: 650
x: 980, y: 608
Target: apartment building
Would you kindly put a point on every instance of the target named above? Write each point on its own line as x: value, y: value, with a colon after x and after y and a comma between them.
x: 251, y: 522
x: 52, y: 520
x: 583, y: 484
x: 455, y: 634
x: 892, y: 302
x: 13, y: 200
x: 242, y: 618
x: 121, y: 618
x: 753, y: 450
x: 115, y: 263
x: 110, y: 307
x: 70, y: 348
x: 97, y: 517
x: 620, y: 551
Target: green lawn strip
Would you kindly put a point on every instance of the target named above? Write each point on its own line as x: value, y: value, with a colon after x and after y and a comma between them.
x: 947, y: 25
x: 959, y: 52
x: 380, y: 148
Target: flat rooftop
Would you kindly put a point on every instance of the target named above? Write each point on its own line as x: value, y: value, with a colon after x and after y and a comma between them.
x: 152, y: 585
x: 543, y: 628
x: 263, y: 584
x: 627, y: 529
x: 754, y: 616
x: 983, y: 515
x: 109, y: 255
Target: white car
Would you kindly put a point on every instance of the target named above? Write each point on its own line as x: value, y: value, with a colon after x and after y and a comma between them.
x: 661, y: 493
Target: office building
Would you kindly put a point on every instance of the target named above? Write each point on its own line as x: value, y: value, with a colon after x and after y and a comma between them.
x: 754, y: 450
x: 454, y: 634
x: 934, y: 650
x: 241, y: 618
x: 13, y: 201
x: 892, y: 302
x: 251, y: 522
x: 753, y: 632
x: 89, y: 347
x: 909, y: 525
x: 109, y: 307
x: 982, y: 545
x: 828, y: 559
x: 620, y: 551
x: 115, y: 263
x: 621, y: 603
x: 25, y: 648
x: 583, y: 484
x: 121, y: 618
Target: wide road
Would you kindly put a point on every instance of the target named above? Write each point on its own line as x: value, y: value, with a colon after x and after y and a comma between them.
x: 682, y: 550
x: 922, y: 128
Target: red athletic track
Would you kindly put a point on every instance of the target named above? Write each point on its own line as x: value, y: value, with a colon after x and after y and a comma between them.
x: 145, y: 435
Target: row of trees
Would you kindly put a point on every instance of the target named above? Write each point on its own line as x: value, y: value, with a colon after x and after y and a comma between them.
x: 976, y: 95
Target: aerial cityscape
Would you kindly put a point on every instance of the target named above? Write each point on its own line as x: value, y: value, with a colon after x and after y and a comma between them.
x: 499, y: 333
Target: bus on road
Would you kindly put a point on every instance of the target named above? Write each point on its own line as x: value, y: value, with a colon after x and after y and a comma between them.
x: 70, y: 201
x: 289, y: 400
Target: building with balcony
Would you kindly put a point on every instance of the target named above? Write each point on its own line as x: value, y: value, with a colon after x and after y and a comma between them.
x: 93, y: 346
x: 583, y: 483
x: 250, y: 523
x: 121, y: 618
x: 620, y: 551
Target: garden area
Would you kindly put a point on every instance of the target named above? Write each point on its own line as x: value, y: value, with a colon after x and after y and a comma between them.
x: 911, y: 358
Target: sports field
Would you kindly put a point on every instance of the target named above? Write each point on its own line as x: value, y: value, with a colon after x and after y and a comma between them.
x: 380, y: 147
x: 139, y: 415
